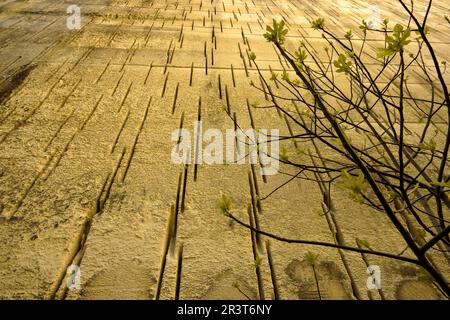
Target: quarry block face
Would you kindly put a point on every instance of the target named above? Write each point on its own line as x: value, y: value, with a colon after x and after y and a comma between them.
x: 144, y: 153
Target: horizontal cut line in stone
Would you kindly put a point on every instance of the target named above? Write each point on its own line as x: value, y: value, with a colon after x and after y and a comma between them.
x: 163, y: 65
x: 237, y: 28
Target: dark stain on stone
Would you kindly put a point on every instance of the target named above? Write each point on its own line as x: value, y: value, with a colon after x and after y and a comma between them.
x: 403, y: 270
x: 408, y: 271
x: 331, y: 280
x: 14, y: 80
x: 327, y: 270
x: 416, y: 290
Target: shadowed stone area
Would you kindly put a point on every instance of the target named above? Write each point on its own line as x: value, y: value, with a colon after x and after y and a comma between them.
x: 86, y: 177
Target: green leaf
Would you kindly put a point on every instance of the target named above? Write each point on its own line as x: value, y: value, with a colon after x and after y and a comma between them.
x: 384, y: 52
x: 349, y: 35
x: 283, y: 154
x: 363, y: 243
x: 300, y: 56
x: 431, y: 146
x: 317, y: 211
x: 356, y: 185
x: 285, y: 76
x: 441, y: 184
x: 342, y: 65
x: 318, y: 24
x: 395, y: 43
x: 426, y: 31
x: 277, y: 33
x: 364, y: 26
x: 258, y: 262
x: 311, y: 258
x: 252, y: 56
x: 273, y: 76
x: 254, y: 104
x: 224, y: 204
